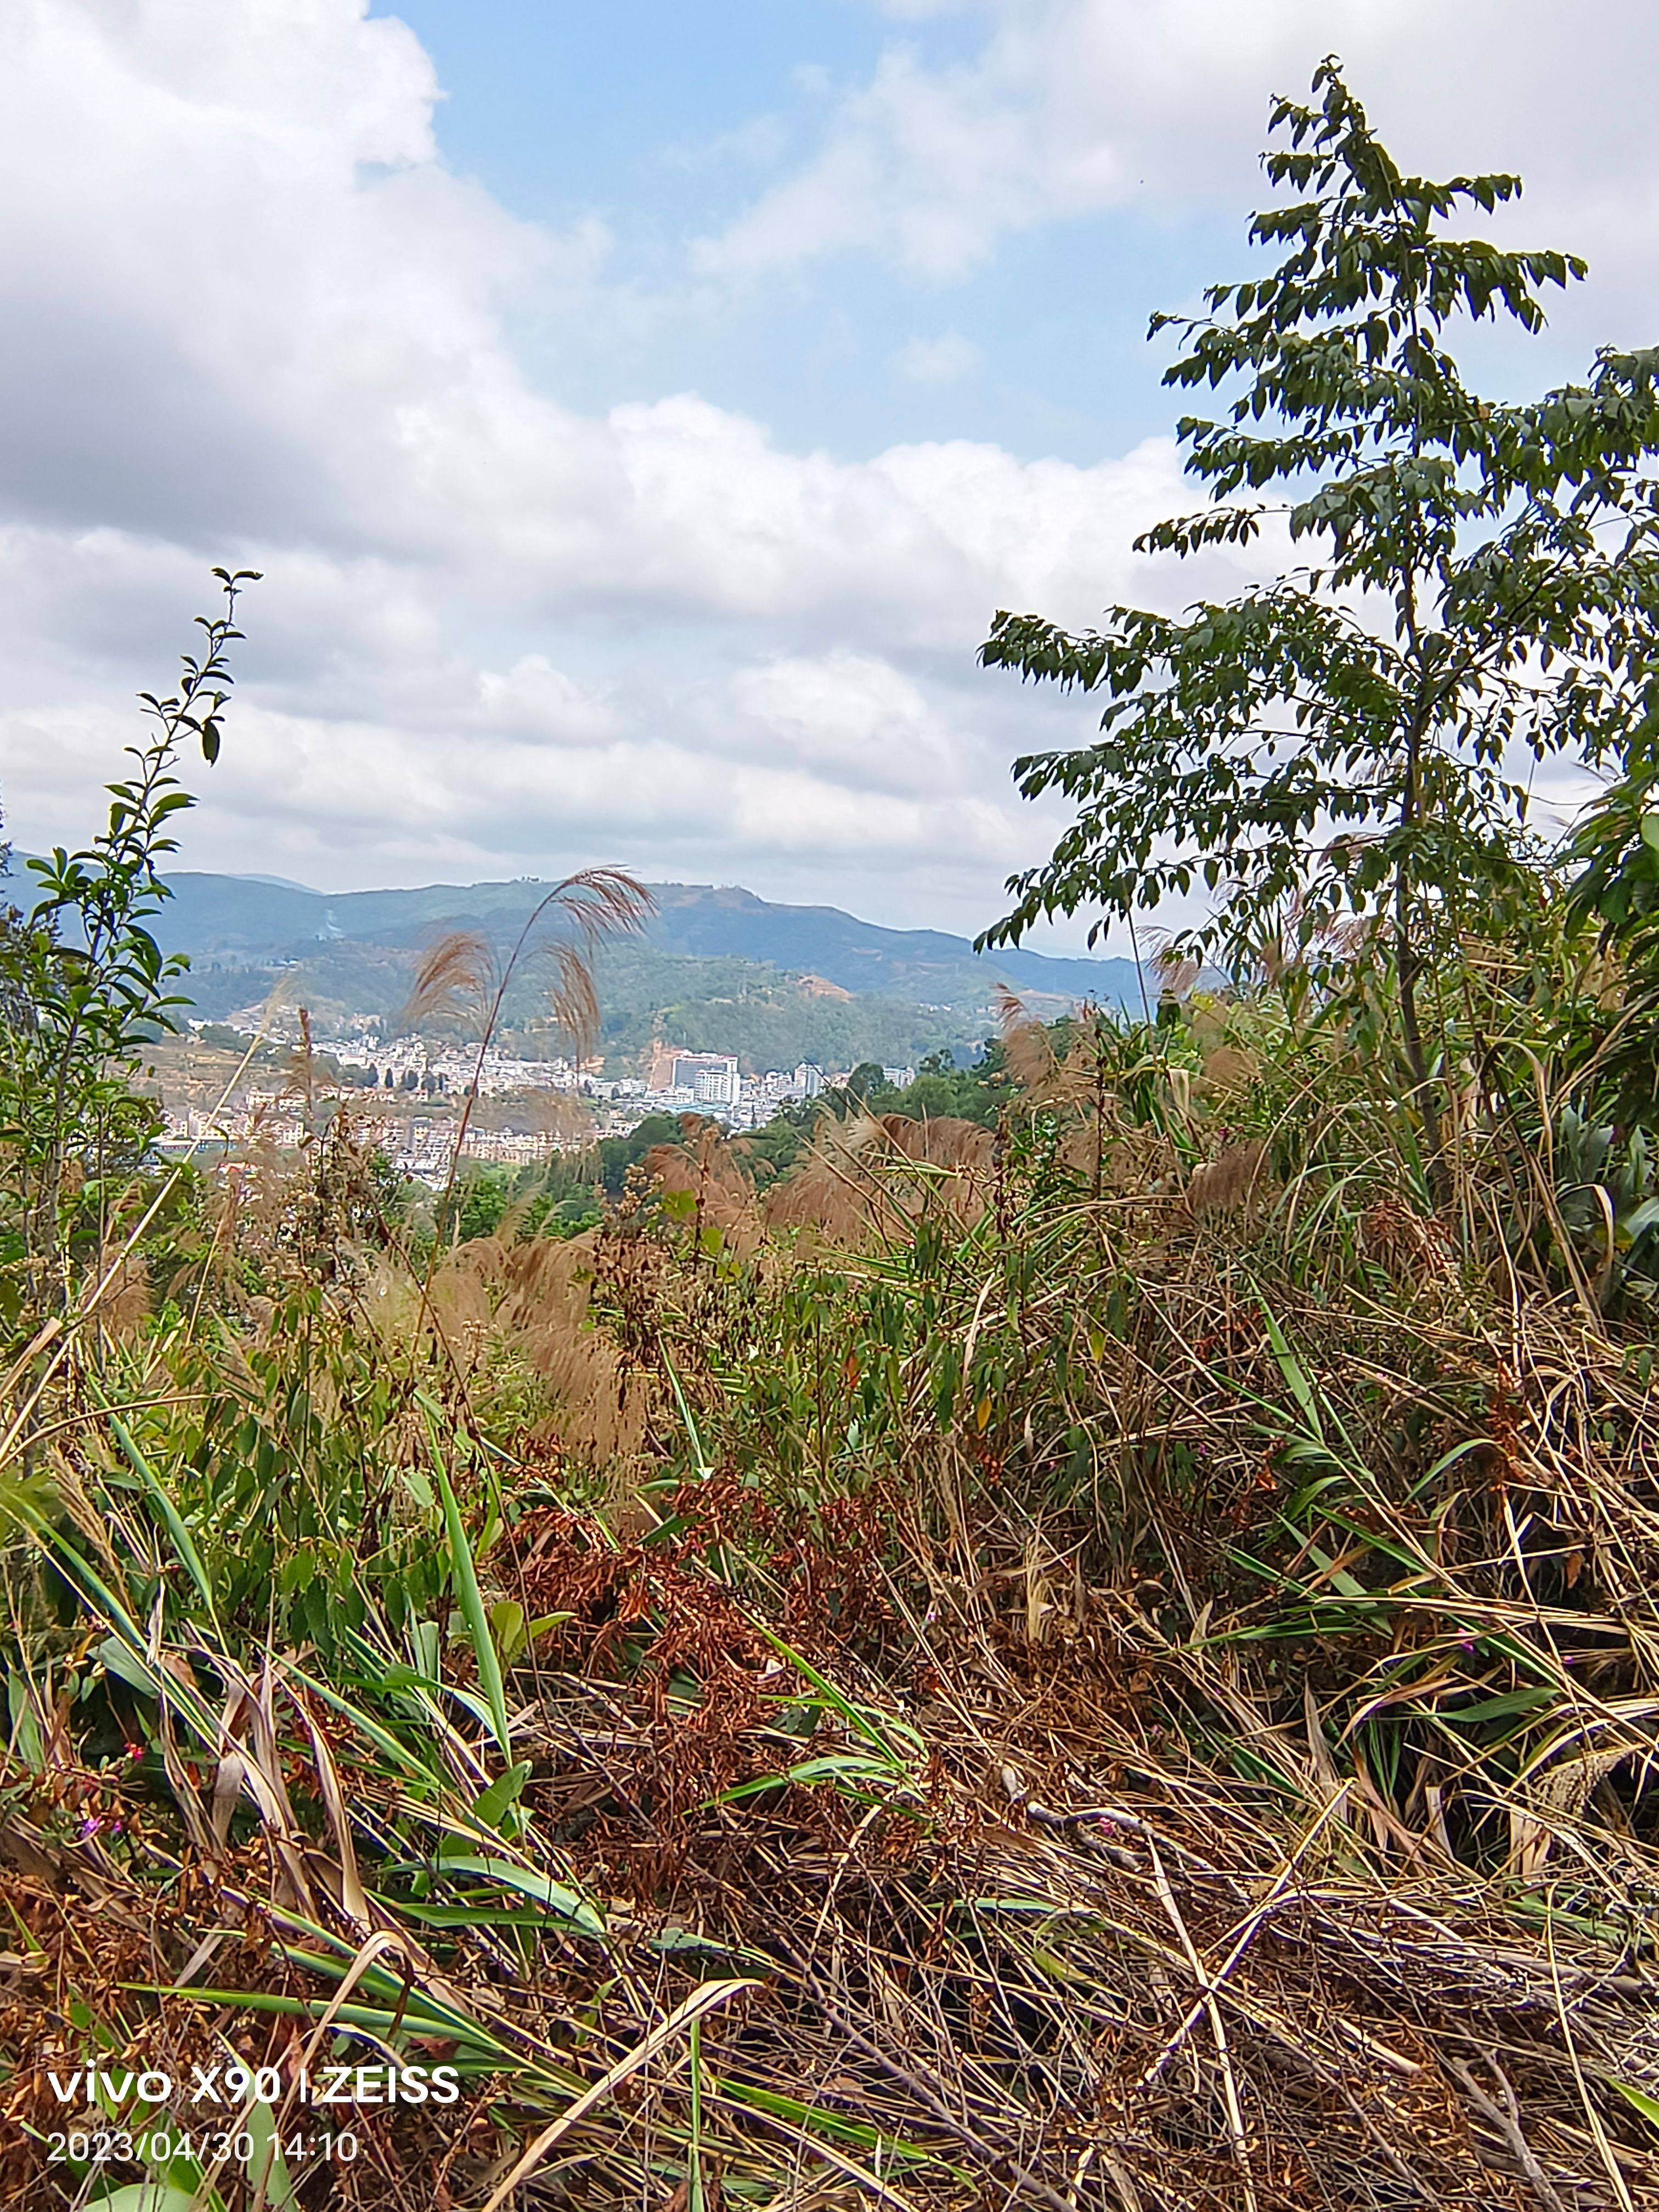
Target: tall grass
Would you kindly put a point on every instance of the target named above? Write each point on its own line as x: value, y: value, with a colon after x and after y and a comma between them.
x: 1110, y: 1662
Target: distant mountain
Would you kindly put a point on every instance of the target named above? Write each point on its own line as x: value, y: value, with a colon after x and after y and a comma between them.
x: 256, y: 921
x: 716, y: 969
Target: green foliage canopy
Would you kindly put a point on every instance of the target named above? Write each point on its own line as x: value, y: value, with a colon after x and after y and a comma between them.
x: 1333, y: 754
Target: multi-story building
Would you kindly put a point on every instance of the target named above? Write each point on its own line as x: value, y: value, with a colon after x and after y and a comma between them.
x: 713, y: 1083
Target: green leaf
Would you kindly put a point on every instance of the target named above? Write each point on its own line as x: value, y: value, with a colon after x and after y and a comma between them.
x: 1291, y: 1368
x: 687, y: 1421
x: 466, y: 1580
x: 183, y: 1543
x: 508, y: 1628
x: 1638, y: 2100
x: 128, y: 1668
x: 1497, y: 1709
x: 569, y: 1904
x: 267, y: 2167
x: 148, y: 2196
x: 495, y: 1802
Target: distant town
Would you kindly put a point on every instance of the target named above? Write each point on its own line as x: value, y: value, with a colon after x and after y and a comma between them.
x: 408, y: 1089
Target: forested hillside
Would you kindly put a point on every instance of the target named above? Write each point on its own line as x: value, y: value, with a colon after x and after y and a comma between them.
x: 713, y: 969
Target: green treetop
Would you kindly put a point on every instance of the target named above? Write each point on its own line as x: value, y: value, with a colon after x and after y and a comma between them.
x: 1335, y: 755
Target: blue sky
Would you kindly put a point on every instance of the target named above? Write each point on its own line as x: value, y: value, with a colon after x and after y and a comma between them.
x: 664, y: 122
x: 639, y: 412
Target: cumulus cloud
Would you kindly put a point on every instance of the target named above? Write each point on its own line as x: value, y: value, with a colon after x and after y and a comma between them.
x: 844, y: 715
x: 253, y: 316
x: 1073, y: 107
x: 261, y: 321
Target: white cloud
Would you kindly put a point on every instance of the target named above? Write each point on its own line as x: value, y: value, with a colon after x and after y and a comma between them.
x: 760, y: 143
x: 539, y: 704
x: 250, y: 316
x: 843, y: 716
x: 1072, y: 107
x: 261, y: 322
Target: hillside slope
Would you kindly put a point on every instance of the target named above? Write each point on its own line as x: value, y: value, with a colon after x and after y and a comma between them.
x: 716, y: 969
x: 240, y: 919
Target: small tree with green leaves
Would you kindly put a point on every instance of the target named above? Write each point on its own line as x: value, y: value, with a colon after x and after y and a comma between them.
x: 86, y: 984
x: 1337, y: 757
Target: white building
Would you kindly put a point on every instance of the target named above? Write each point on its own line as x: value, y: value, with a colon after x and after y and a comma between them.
x: 716, y: 1086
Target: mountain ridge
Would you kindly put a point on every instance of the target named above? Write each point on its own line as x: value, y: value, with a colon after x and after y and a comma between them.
x: 254, y: 921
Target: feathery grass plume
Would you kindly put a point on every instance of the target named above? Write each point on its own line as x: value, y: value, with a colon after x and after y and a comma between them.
x: 942, y: 1141
x: 452, y: 981
x: 958, y: 1154
x: 568, y: 930
x: 1228, y: 1181
x: 1082, y: 1070
x: 513, y: 1317
x: 961, y: 1149
x: 858, y: 1179
x: 832, y: 1189
x: 1278, y: 951
x: 461, y: 1304
x: 299, y: 1076
x: 574, y: 997
x: 1027, y: 1048
x: 1228, y: 1069
x: 1176, y: 971
x: 125, y: 1304
x: 600, y: 1399
x: 706, y: 1172
x: 593, y: 906
x: 1028, y: 1051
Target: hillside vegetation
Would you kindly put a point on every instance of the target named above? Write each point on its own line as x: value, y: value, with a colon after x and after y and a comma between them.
x: 1083, y: 1637
x: 713, y: 970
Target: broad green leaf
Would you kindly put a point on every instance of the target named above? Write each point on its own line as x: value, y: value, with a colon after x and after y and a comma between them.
x: 569, y: 1904
x: 495, y: 1803
x: 148, y: 2196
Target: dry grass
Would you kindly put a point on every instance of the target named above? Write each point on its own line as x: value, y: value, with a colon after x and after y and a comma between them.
x: 1017, y: 1943
x: 874, y: 1176
x: 1115, y: 1661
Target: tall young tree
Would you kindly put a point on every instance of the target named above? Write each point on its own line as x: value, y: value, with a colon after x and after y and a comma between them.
x: 1346, y: 744
x: 83, y: 982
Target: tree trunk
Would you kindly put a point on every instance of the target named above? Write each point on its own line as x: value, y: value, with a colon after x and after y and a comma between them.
x: 1406, y: 968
